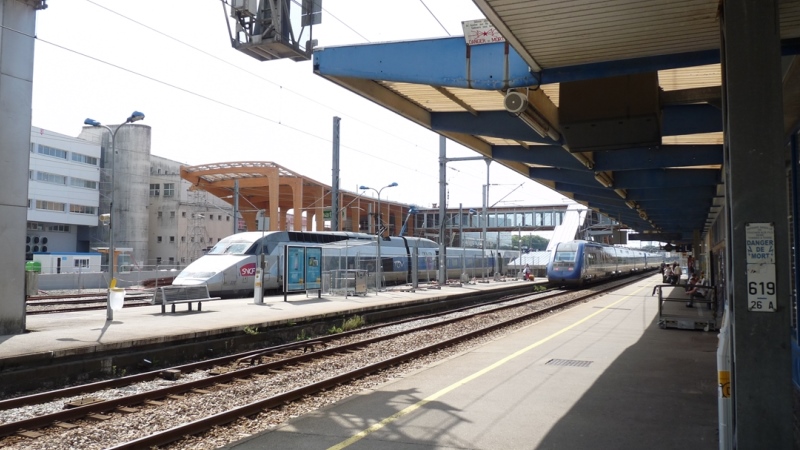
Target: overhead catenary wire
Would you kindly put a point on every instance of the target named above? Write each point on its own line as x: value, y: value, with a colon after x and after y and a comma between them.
x: 435, y: 18
x: 305, y: 97
x: 369, y: 153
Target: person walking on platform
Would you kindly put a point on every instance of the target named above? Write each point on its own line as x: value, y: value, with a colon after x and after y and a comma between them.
x: 526, y: 273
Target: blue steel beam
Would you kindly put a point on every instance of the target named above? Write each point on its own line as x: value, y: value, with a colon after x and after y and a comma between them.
x: 596, y: 190
x: 675, y: 194
x: 477, y: 67
x: 583, y: 178
x: 606, y: 201
x: 544, y: 155
x: 657, y: 157
x: 499, y: 124
x: 409, y: 61
x: 668, y: 178
x: 678, y: 120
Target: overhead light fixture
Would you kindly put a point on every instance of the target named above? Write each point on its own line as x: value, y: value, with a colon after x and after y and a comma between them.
x: 517, y: 103
x: 604, y: 179
x: 631, y: 204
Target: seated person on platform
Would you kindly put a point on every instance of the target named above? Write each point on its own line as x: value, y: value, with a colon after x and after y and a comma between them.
x: 698, y: 290
x: 667, y: 274
x: 676, y: 274
x: 691, y: 283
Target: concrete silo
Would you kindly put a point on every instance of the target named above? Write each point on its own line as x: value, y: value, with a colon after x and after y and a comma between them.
x: 131, y: 178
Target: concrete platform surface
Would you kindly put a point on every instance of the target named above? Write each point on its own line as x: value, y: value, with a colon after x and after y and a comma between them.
x: 602, y: 375
x: 63, y: 334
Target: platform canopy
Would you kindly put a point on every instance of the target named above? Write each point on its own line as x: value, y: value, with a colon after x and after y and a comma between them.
x: 274, y: 189
x: 614, y: 104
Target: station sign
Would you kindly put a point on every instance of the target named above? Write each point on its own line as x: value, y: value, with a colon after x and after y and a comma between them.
x: 326, y: 214
x: 761, y: 288
x: 481, y: 31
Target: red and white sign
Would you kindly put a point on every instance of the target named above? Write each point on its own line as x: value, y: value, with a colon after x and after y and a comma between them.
x: 481, y: 31
x: 248, y: 270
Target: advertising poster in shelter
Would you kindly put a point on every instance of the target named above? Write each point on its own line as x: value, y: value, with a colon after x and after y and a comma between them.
x: 295, y: 268
x: 313, y: 267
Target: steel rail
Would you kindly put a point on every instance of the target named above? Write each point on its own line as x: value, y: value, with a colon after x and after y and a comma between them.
x: 204, y: 424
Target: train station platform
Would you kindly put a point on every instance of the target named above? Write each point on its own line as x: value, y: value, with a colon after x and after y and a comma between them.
x: 601, y: 375
x: 50, y: 337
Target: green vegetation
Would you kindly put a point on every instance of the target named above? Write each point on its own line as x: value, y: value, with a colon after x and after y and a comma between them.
x: 348, y: 324
x: 533, y: 242
x: 252, y: 331
x: 303, y: 336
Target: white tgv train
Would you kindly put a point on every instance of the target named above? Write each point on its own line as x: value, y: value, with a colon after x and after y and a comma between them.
x: 230, y: 266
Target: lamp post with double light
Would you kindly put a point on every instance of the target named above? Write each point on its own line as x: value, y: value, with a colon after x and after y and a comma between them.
x: 134, y: 117
x: 378, y: 232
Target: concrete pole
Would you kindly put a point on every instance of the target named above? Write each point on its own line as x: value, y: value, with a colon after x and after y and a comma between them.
x: 18, y: 19
x: 760, y: 288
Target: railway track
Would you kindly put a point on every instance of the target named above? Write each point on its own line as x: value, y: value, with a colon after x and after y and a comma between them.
x: 267, y: 378
x: 80, y: 302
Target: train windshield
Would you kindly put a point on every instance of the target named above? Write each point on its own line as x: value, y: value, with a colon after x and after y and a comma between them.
x: 566, y: 252
x: 231, y: 248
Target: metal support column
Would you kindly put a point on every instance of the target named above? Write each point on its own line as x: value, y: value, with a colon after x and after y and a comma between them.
x: 236, y: 206
x: 335, y: 214
x: 442, y: 210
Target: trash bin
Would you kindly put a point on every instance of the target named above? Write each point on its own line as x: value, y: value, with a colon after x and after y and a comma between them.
x: 116, y: 298
x: 32, y: 270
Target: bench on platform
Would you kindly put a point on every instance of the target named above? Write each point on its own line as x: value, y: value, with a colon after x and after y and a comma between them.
x: 171, y: 295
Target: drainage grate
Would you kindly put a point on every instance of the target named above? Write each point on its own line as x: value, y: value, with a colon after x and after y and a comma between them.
x: 568, y: 362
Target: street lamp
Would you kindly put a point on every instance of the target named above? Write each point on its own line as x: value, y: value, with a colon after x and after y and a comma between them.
x: 379, y: 232
x: 135, y: 117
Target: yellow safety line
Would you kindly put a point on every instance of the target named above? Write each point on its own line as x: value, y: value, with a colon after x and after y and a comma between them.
x: 423, y: 402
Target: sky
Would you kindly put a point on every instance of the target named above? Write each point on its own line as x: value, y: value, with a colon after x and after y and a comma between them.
x: 207, y: 102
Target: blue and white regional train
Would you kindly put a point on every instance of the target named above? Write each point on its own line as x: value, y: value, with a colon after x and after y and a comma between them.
x: 229, y: 268
x: 576, y: 263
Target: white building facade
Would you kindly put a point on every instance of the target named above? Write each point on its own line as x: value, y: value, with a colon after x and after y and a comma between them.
x: 63, y: 193
x: 160, y: 221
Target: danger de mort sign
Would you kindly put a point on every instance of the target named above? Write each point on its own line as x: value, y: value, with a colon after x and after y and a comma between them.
x: 760, y: 242
x: 481, y: 31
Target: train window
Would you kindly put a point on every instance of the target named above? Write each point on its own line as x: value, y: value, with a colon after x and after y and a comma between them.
x: 233, y: 248
x: 565, y: 256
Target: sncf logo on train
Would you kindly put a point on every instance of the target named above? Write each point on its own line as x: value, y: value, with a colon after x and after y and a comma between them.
x: 248, y: 270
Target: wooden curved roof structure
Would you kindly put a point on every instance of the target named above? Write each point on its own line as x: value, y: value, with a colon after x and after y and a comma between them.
x: 276, y: 190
